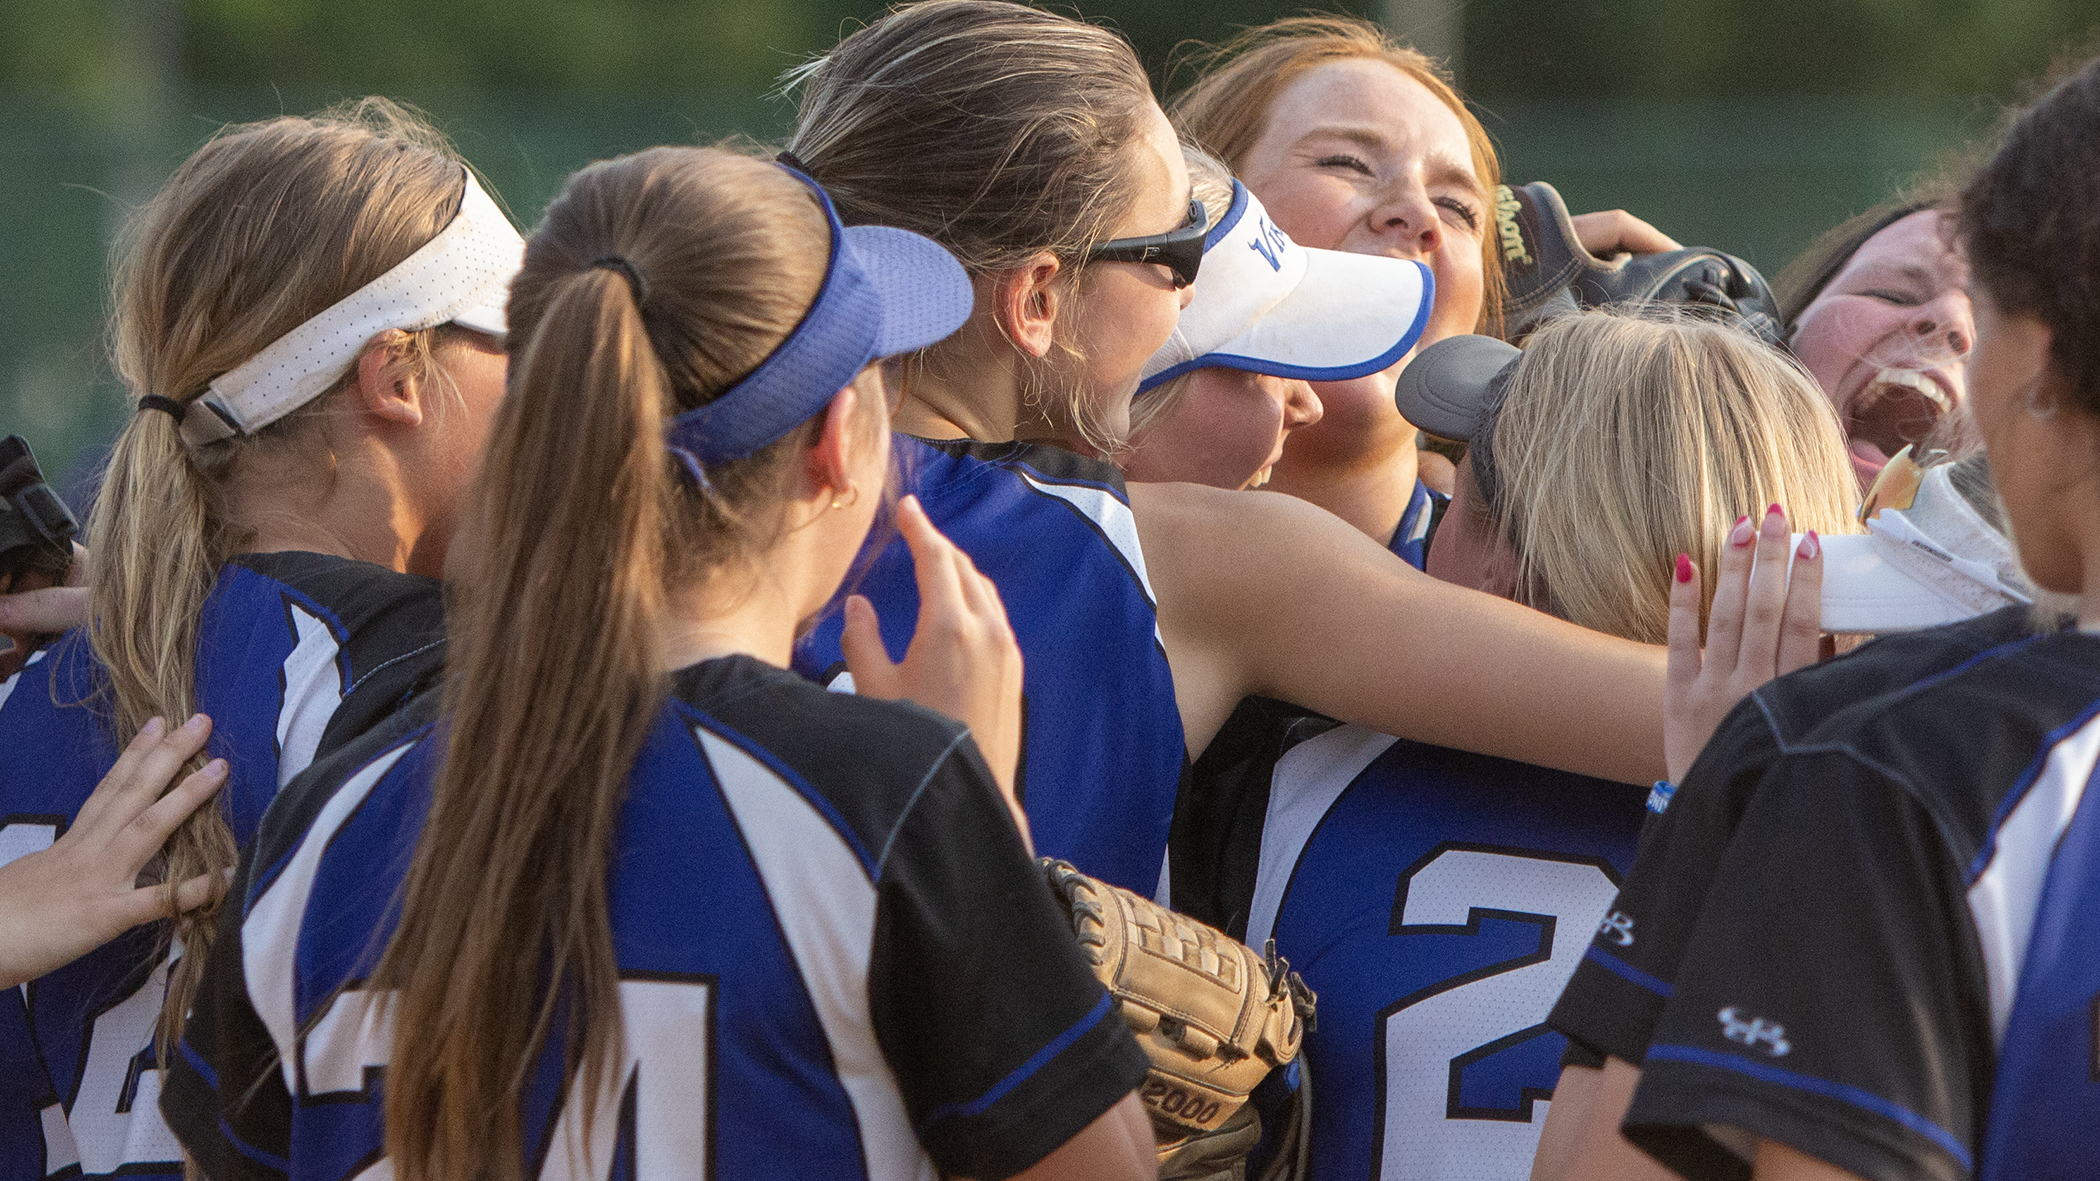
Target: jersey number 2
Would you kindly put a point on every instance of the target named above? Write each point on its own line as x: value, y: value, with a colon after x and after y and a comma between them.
x: 1428, y: 1039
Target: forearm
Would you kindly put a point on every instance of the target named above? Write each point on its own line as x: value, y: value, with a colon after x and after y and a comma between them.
x: 1266, y: 594
x: 1405, y: 654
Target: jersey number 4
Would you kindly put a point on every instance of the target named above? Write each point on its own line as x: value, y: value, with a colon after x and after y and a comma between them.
x: 654, y: 1122
x: 1428, y: 1039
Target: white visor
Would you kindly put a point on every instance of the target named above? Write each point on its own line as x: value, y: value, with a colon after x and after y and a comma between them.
x: 1265, y: 304
x: 1936, y: 562
x: 462, y: 276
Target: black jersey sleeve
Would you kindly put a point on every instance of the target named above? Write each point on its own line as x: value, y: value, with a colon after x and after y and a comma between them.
x: 1004, y: 1044
x: 224, y: 1097
x: 1619, y: 987
x: 1826, y: 996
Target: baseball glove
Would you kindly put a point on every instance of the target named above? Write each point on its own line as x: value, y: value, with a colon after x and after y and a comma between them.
x: 1214, y: 1018
x: 1550, y: 273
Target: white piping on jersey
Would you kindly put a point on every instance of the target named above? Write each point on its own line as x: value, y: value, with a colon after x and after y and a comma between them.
x: 313, y: 689
x: 7, y: 687
x: 1112, y: 517
x: 1308, y: 779
x: 2004, y: 897
x: 270, y: 933
x: 825, y: 904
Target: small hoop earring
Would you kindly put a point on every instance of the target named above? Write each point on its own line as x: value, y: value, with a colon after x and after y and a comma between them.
x: 853, y: 496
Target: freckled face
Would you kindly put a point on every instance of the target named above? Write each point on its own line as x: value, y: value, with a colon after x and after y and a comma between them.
x: 1358, y: 156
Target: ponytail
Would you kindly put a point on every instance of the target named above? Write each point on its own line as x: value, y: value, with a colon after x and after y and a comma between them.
x: 153, y: 560
x: 653, y: 284
x: 568, y: 600
x: 259, y: 231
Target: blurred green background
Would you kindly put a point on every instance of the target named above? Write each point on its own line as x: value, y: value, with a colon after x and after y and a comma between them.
x: 1751, y: 125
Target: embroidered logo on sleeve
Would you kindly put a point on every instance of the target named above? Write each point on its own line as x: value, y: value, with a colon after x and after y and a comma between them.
x: 1755, y: 1032
x: 1617, y: 927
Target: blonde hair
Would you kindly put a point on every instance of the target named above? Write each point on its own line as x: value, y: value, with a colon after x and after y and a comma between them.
x: 1211, y: 183
x: 566, y: 590
x: 1627, y: 438
x: 258, y: 231
x: 1226, y: 109
x: 999, y: 131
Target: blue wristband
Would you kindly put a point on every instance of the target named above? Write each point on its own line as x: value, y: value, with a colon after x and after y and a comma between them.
x: 1659, y: 795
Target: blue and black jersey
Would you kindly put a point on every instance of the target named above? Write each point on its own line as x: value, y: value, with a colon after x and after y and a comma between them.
x: 836, y: 960
x: 2045, y: 1099
x: 1425, y: 511
x: 1435, y: 900
x: 1103, y: 749
x: 1618, y: 991
x: 1852, y: 975
x: 296, y: 654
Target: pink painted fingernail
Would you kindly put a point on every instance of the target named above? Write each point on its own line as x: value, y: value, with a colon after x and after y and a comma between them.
x: 1684, y: 568
x: 1774, y: 511
x: 1811, y: 545
x: 1743, y: 534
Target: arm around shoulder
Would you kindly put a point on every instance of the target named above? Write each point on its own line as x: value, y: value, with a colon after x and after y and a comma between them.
x: 1263, y: 593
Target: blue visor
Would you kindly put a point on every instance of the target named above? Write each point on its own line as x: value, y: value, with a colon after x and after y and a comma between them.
x: 886, y: 292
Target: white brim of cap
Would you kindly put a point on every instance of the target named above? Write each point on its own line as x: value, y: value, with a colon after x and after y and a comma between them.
x: 1350, y: 316
x: 1865, y: 593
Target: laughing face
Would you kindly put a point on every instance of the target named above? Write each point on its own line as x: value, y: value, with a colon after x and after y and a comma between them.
x: 1888, y: 339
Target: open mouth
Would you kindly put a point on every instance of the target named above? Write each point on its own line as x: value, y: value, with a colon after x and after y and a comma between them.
x: 1895, y: 408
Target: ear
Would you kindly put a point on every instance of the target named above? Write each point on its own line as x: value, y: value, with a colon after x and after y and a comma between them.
x: 828, y: 464
x: 387, y: 387
x: 1498, y: 575
x: 1025, y: 302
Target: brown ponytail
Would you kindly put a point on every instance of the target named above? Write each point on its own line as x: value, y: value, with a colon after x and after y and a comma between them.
x: 259, y: 231
x: 554, y: 677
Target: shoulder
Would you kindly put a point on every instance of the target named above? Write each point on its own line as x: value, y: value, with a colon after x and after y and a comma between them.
x: 1796, y: 703
x: 1037, y: 462
x: 357, y: 765
x: 867, y: 760
x: 351, y: 590
x: 1960, y: 741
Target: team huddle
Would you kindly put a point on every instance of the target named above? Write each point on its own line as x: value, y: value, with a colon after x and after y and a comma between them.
x: 1026, y: 632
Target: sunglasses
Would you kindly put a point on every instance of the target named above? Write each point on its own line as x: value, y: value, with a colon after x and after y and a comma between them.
x: 1180, y: 251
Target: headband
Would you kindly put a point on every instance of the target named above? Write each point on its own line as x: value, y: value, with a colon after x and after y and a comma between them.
x: 461, y: 276
x: 886, y: 291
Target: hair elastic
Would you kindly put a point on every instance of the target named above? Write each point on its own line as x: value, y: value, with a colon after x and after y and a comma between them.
x: 635, y: 282
x: 792, y: 161
x: 168, y: 406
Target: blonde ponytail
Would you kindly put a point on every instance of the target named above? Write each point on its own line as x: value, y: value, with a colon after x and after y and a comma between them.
x: 260, y: 230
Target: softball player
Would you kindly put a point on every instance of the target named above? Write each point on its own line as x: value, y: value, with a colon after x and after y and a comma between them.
x: 1896, y: 923
x: 706, y: 922
x: 1437, y: 901
x: 255, y: 557
x: 1147, y: 613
